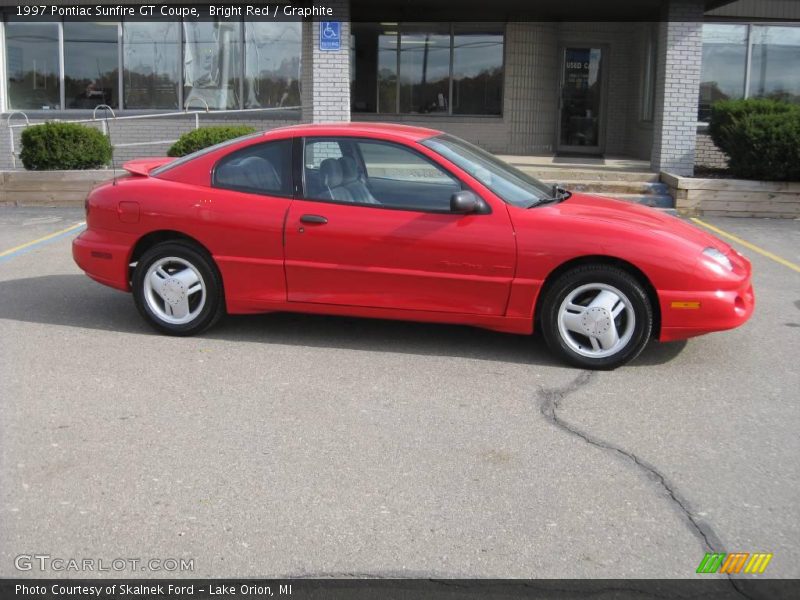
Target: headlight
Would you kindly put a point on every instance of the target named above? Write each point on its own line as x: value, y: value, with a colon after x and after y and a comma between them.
x: 718, y: 257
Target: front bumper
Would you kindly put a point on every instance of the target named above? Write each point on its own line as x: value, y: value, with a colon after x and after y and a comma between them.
x: 688, y: 314
x: 104, y: 256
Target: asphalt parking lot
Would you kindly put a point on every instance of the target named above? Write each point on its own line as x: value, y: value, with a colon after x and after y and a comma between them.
x: 289, y: 445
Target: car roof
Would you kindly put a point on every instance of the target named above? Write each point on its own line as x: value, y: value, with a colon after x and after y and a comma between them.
x: 396, y: 130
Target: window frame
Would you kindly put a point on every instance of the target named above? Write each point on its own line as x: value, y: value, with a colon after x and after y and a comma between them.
x: 247, y: 190
x: 503, y: 32
x: 409, y: 27
x: 180, y: 78
x: 649, y: 78
x: 748, y: 66
x: 62, y: 64
x: 5, y: 99
x: 5, y: 104
x: 301, y: 188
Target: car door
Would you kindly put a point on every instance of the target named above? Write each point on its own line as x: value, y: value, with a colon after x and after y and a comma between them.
x: 246, y: 205
x: 374, y: 229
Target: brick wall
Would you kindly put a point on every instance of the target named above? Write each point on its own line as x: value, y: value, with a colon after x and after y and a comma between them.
x: 680, y: 48
x: 708, y: 155
x: 326, y: 74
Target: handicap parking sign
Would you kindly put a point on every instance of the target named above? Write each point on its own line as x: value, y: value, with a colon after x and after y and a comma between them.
x: 330, y: 35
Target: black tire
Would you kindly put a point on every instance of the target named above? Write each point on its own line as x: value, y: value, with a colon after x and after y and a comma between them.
x: 214, y: 306
x: 566, y: 283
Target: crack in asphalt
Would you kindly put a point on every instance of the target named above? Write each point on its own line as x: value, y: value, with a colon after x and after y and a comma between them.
x: 549, y: 403
x: 550, y: 398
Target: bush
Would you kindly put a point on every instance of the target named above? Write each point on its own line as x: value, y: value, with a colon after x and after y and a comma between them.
x: 53, y: 146
x: 205, y: 137
x: 760, y: 136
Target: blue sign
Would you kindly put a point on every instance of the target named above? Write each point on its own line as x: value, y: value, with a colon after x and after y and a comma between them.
x: 330, y: 35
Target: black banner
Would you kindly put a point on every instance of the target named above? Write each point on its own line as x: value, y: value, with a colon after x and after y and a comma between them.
x: 365, y: 11
x: 400, y: 589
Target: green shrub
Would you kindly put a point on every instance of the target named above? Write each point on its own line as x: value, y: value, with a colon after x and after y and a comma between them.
x: 760, y: 136
x: 205, y: 137
x: 53, y: 146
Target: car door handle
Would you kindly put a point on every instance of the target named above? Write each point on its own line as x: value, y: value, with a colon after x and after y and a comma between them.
x: 318, y: 219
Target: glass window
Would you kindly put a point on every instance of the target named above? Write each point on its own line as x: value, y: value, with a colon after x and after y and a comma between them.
x: 260, y: 169
x: 425, y: 69
x: 202, y: 152
x: 581, y: 96
x: 32, y: 65
x: 151, y: 64
x: 323, y: 177
x: 509, y: 183
x: 212, y: 64
x: 91, y: 64
x: 373, y: 67
x: 648, y: 97
x: 435, y: 68
x: 394, y: 162
x: 400, y: 178
x: 272, y: 64
x: 724, y: 63
x: 775, y: 63
x: 477, y: 72
x: 319, y: 150
x: 375, y: 173
x: 387, y: 72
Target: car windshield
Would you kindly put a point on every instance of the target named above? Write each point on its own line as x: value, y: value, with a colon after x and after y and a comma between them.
x: 507, y: 182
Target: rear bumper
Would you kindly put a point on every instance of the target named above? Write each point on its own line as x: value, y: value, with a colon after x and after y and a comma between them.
x: 688, y: 314
x: 104, y: 256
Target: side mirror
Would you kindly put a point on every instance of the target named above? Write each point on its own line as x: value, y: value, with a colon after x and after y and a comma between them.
x: 465, y: 202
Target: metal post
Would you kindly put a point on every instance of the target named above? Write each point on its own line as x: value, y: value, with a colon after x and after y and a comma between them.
x: 62, y: 92
x: 748, y: 61
x: 11, y: 134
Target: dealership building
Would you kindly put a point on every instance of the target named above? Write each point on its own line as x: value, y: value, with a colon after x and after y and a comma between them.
x: 613, y: 78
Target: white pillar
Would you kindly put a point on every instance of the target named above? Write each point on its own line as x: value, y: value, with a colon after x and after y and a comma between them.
x: 680, y: 53
x: 326, y: 73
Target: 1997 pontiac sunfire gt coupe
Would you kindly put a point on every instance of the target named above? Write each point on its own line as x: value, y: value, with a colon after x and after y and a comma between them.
x: 400, y: 222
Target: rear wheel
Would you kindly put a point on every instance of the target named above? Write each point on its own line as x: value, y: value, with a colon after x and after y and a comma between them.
x: 596, y: 317
x: 177, y: 289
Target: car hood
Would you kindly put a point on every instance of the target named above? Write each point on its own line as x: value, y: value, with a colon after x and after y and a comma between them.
x: 634, y: 216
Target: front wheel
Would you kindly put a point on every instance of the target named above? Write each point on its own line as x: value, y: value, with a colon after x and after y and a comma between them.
x: 177, y: 289
x: 596, y: 317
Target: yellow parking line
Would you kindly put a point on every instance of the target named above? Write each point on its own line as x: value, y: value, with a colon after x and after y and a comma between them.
x: 748, y: 245
x: 41, y: 239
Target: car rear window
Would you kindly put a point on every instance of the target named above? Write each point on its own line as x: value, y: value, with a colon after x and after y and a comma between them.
x: 189, y: 157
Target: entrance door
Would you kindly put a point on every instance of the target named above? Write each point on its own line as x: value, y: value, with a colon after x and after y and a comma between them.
x: 581, y: 103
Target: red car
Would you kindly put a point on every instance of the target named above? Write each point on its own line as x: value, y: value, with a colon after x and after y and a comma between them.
x: 396, y: 222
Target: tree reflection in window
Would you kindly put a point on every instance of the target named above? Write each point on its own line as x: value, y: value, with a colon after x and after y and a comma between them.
x: 272, y: 64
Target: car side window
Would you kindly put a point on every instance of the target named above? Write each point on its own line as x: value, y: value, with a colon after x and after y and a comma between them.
x: 319, y: 150
x: 257, y: 169
x: 375, y: 173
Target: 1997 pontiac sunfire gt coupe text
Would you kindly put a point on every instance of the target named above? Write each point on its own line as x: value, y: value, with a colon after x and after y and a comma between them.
x: 408, y: 223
